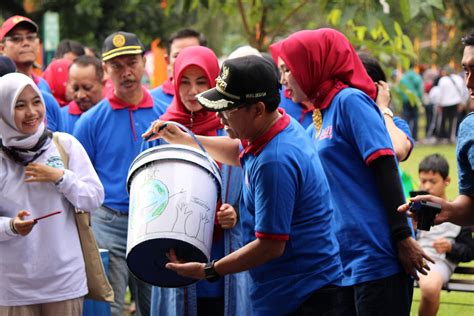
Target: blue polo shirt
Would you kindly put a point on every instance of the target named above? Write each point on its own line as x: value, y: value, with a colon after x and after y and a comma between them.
x: 285, y: 196
x: 41, y: 83
x: 53, y: 112
x: 111, y: 136
x: 69, y: 120
x: 465, y: 155
x: 353, y: 134
x: 161, y: 97
x: 402, y: 125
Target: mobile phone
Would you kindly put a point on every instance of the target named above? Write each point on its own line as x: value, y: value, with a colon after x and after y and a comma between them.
x: 47, y: 215
x: 415, y: 193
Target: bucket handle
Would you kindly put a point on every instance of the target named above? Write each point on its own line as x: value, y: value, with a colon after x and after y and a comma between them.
x: 184, y: 128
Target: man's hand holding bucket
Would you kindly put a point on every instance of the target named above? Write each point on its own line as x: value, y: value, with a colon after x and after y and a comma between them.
x: 193, y: 270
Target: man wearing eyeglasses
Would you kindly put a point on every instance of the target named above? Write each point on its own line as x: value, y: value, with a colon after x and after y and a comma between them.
x: 19, y: 41
x: 285, y: 209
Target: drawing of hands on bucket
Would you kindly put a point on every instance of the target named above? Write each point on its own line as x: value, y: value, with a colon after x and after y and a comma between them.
x: 174, y: 190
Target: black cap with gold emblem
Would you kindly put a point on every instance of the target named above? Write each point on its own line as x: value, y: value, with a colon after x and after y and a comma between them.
x: 121, y: 43
x: 242, y: 80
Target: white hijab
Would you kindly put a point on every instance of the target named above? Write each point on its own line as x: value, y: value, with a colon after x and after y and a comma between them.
x: 11, y: 85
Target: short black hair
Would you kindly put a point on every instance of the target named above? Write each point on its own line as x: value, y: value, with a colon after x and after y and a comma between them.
x: 185, y: 33
x: 373, y: 67
x: 69, y: 46
x: 271, y: 104
x: 435, y: 163
x: 468, y: 40
x: 84, y: 61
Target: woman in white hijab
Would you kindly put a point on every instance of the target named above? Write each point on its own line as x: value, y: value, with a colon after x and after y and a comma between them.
x: 41, y: 263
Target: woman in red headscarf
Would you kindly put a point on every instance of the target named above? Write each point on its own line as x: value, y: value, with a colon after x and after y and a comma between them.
x: 322, y: 67
x: 57, y: 75
x: 195, y: 71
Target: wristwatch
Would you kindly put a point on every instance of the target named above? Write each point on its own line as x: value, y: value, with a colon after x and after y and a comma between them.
x: 388, y: 112
x: 210, y: 272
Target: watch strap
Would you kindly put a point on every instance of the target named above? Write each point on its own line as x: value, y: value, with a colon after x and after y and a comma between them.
x: 210, y: 272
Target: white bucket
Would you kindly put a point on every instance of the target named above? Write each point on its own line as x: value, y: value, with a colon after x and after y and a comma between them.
x: 173, y: 194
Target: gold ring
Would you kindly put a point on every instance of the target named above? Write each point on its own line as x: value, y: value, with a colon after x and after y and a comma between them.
x: 425, y: 264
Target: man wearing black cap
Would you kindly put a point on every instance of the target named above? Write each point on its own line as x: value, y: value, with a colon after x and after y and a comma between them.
x: 110, y: 133
x: 19, y: 42
x: 285, y: 211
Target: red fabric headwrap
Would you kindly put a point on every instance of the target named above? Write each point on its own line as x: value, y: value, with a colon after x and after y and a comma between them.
x: 57, y: 75
x: 203, y: 122
x: 323, y: 62
x: 168, y: 87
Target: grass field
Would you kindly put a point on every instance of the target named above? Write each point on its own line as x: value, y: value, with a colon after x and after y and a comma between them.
x: 452, y: 303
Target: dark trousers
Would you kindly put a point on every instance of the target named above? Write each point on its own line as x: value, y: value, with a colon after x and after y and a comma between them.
x: 430, y: 120
x: 410, y: 114
x: 207, y: 306
x: 449, y: 122
x: 325, y: 302
x: 390, y: 296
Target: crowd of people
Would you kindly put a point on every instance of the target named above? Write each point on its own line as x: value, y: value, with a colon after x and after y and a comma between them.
x: 312, y: 218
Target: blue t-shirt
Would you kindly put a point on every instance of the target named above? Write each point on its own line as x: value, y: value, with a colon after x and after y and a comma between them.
x: 53, y: 112
x: 68, y: 120
x: 352, y: 135
x: 405, y: 128
x: 43, y: 85
x: 160, y: 97
x: 465, y: 155
x: 295, y: 110
x: 285, y: 196
x: 112, y: 139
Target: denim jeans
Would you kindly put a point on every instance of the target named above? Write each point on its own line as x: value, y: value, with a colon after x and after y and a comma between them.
x: 390, y: 296
x: 110, y: 229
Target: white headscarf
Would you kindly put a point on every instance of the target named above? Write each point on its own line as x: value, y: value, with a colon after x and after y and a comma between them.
x: 11, y: 85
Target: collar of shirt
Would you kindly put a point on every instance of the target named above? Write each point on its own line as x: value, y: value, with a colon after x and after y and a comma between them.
x: 256, y: 147
x: 117, y: 104
x: 74, y: 109
x: 35, y: 78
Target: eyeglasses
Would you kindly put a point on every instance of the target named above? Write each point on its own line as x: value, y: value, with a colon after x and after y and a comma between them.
x: 226, y: 114
x: 17, y: 39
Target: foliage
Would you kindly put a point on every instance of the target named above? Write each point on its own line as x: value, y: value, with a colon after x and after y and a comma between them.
x: 261, y: 21
x: 90, y: 21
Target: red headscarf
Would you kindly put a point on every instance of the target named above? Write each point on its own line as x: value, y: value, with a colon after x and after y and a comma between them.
x: 168, y: 87
x: 57, y: 75
x: 203, y: 122
x: 323, y: 62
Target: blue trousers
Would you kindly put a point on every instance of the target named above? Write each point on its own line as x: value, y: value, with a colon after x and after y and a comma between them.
x: 110, y: 229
